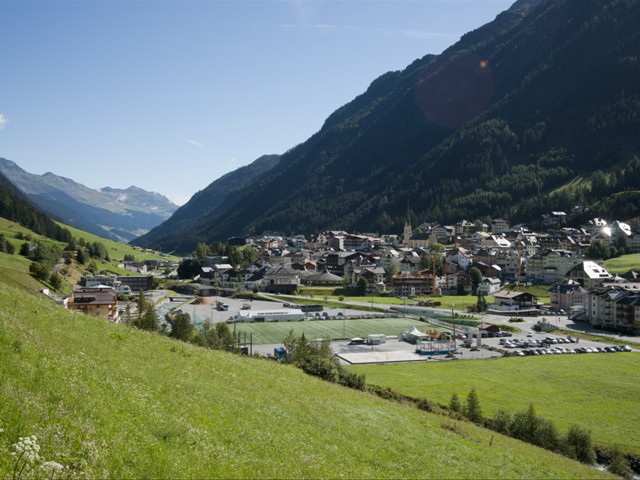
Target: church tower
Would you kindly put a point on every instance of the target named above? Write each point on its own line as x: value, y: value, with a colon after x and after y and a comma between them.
x: 407, y: 233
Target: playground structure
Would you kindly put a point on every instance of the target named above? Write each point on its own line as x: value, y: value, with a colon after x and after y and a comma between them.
x: 431, y: 342
x: 443, y: 346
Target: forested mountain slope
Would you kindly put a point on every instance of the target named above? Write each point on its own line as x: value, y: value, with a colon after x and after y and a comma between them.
x: 16, y: 207
x: 168, y: 234
x: 117, y: 214
x: 537, y: 110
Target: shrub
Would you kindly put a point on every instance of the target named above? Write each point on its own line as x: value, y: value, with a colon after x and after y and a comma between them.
x: 39, y: 270
x: 577, y: 444
x: 618, y: 464
x: 454, y: 403
x: 501, y: 422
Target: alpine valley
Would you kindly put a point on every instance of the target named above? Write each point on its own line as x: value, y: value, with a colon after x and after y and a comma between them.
x: 536, y: 111
x: 109, y: 212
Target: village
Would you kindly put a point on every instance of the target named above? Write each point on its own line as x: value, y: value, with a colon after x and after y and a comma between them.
x: 430, y: 261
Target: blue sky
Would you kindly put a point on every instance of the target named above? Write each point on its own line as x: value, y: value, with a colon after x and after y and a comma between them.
x: 170, y: 95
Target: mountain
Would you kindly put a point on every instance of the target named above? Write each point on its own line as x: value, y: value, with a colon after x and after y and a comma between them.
x: 16, y: 207
x: 110, y: 213
x: 169, y: 234
x: 537, y: 110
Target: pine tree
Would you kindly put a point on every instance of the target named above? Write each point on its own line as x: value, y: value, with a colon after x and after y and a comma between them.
x: 472, y: 408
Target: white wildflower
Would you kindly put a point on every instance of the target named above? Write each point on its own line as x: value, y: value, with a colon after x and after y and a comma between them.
x: 51, y: 466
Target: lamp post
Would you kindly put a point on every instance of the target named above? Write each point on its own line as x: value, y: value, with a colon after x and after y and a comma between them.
x: 454, y: 326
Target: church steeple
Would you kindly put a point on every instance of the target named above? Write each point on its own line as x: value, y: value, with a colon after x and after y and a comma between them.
x: 408, y: 231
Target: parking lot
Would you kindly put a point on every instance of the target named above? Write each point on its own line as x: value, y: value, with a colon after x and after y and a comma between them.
x: 536, y: 343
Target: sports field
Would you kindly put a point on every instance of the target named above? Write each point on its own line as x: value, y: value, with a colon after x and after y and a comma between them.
x: 275, y: 332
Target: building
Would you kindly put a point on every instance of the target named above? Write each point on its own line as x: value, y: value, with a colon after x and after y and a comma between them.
x: 589, y: 274
x: 418, y: 283
x: 489, y: 286
x: 137, y: 282
x: 100, y: 301
x: 106, y: 281
x: 281, y: 280
x: 278, y: 315
x: 567, y: 294
x: 549, y: 266
x: 515, y: 303
x: 499, y: 226
x: 614, y: 307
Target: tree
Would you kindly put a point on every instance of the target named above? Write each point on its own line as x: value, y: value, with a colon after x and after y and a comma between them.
x: 454, y: 403
x: 501, y: 422
x: 472, y: 409
x: 481, y: 304
x: 476, y: 277
x: 189, y: 268
x: 226, y: 340
x: 80, y: 256
x: 618, y: 464
x: 182, y: 327
x: 39, y: 270
x: 148, y: 320
x: 577, y: 444
x: 392, y: 270
x: 524, y: 424
x: 202, y: 250
x: 25, y: 248
x: 56, y: 281
x: 362, y: 286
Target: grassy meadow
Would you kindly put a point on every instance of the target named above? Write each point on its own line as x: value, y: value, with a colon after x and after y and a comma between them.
x: 113, y: 402
x: 599, y: 392
x: 623, y: 263
x: 118, y: 250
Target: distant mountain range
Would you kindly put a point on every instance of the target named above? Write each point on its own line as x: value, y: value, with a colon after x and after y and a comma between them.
x: 110, y: 213
x: 538, y: 110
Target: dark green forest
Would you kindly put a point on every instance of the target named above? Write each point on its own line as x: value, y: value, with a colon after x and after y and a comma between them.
x: 536, y: 111
x: 15, y: 206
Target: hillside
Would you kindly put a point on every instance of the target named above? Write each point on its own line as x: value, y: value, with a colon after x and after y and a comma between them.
x: 169, y: 234
x: 14, y: 268
x: 15, y: 206
x: 111, y: 213
x: 499, y: 124
x: 108, y: 401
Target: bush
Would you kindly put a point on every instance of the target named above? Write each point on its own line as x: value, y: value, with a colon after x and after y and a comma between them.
x: 351, y: 380
x: 501, y: 422
x: 618, y: 464
x: 577, y: 444
x: 39, y: 270
x: 454, y: 403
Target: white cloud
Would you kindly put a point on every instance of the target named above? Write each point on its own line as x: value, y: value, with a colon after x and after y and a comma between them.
x: 194, y: 143
x: 3, y: 120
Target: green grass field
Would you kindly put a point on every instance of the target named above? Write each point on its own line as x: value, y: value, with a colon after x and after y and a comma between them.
x: 275, y: 332
x: 623, y: 264
x: 114, y: 402
x: 14, y: 270
x: 599, y: 392
x: 117, y: 250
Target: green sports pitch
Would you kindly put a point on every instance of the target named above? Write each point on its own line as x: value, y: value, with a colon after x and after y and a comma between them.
x: 275, y: 332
